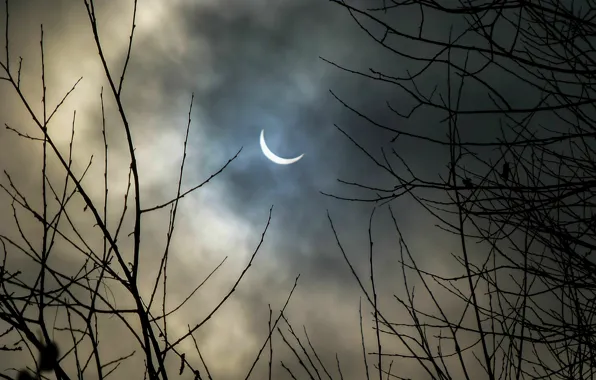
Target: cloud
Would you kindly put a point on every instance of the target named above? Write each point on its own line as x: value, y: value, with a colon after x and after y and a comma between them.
x: 251, y: 66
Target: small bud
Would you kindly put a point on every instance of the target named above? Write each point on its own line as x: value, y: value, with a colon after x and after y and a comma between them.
x: 182, y: 362
x: 48, y: 357
x: 25, y: 375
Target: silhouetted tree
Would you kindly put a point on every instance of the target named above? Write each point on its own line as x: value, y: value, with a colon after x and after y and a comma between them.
x: 516, y: 129
x: 81, y: 300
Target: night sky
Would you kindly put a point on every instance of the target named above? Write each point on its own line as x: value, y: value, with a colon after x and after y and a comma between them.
x: 251, y: 65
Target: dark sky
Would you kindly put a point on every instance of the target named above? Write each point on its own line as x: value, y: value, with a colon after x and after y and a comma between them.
x: 252, y: 65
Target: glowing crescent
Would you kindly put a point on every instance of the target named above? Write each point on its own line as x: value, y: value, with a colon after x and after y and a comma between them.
x: 270, y: 155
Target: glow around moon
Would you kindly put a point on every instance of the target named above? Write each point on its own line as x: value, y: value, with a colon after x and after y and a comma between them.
x: 272, y: 156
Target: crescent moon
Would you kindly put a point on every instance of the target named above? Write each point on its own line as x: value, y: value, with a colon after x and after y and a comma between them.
x: 272, y: 156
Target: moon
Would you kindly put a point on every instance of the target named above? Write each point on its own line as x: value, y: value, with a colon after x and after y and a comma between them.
x: 272, y: 156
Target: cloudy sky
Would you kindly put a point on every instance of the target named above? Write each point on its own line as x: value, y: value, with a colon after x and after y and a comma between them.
x: 252, y: 65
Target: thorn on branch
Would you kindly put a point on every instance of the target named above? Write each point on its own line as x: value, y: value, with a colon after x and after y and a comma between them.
x: 505, y: 171
x: 182, y: 363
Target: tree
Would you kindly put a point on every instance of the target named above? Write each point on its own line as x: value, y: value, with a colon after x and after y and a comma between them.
x: 58, y: 278
x: 514, y: 185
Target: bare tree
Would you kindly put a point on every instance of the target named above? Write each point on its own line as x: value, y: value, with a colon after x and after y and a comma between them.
x: 515, y: 185
x: 56, y: 312
x: 522, y: 306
